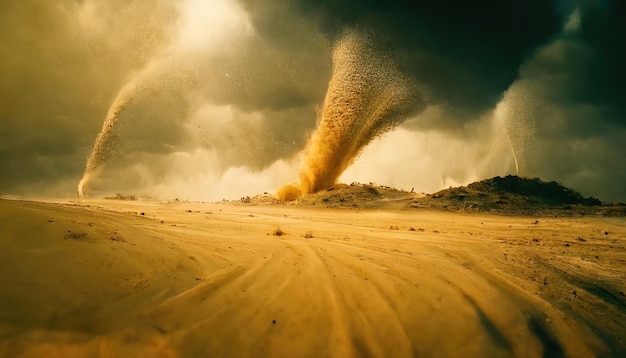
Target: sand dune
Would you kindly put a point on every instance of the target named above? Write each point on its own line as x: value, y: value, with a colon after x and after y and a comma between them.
x: 128, y: 278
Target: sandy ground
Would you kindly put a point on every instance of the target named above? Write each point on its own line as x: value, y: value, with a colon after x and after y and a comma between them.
x: 119, y: 278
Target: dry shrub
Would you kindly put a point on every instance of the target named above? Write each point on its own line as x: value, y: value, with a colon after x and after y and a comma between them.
x: 75, y: 235
x: 119, y: 196
x: 278, y: 232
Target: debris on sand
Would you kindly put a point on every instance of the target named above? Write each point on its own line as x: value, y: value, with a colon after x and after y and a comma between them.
x: 115, y: 236
x: 75, y: 235
x: 278, y: 232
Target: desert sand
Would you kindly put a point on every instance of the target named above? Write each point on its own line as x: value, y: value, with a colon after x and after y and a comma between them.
x: 114, y: 278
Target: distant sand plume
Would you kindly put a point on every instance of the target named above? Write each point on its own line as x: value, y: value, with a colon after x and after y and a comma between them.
x: 367, y: 96
x: 102, y: 147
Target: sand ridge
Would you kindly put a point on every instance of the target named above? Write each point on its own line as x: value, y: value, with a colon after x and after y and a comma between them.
x: 122, y: 278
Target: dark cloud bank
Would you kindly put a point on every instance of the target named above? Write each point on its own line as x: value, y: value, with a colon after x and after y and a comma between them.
x: 233, y: 90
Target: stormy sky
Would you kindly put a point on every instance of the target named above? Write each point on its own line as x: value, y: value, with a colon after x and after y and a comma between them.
x: 230, y: 91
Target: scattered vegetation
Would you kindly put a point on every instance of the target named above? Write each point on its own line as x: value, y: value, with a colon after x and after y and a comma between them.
x: 356, y: 195
x: 119, y: 196
x: 535, y: 190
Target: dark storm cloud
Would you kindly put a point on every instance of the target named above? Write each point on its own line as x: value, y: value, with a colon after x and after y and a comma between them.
x: 466, y: 52
x: 603, y: 27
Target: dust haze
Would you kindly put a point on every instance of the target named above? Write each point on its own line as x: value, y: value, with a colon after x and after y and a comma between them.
x: 227, y: 94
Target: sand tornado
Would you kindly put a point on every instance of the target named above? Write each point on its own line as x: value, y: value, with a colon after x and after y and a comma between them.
x: 102, y: 148
x: 367, y: 96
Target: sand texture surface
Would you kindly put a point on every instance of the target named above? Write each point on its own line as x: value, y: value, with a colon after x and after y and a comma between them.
x: 115, y: 278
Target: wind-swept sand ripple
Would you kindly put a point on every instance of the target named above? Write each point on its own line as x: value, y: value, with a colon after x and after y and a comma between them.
x: 114, y: 278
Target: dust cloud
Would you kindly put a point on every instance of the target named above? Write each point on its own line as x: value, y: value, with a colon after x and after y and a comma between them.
x: 367, y: 96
